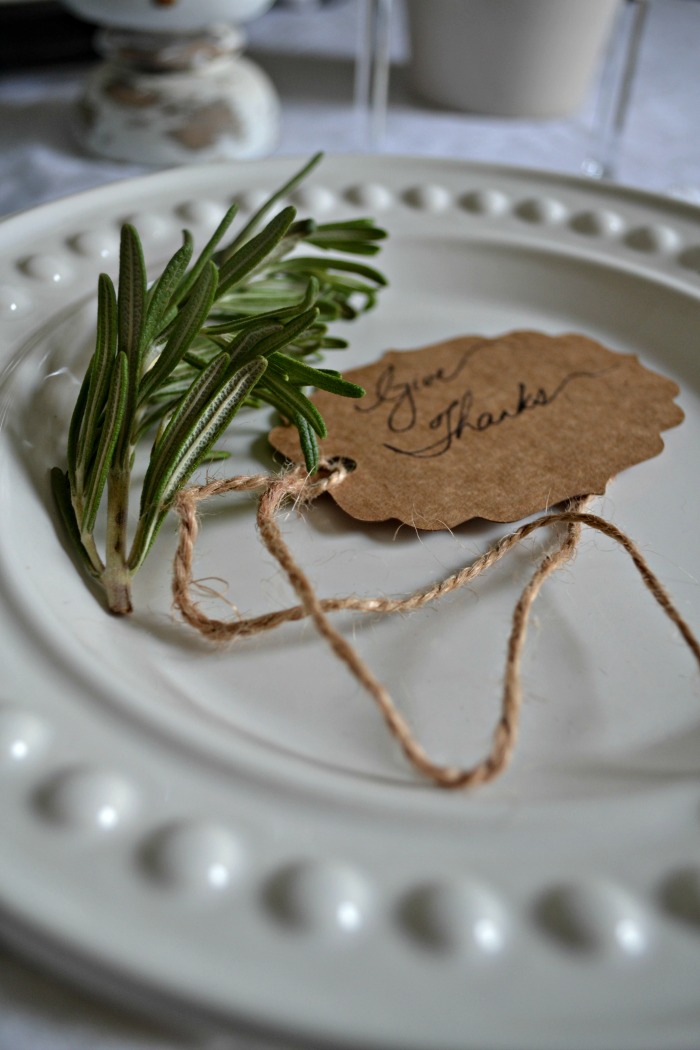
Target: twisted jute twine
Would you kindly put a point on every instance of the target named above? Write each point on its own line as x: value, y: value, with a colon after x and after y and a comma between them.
x: 297, y: 486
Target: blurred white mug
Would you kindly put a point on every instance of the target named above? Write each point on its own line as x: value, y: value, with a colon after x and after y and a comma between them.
x: 513, y: 58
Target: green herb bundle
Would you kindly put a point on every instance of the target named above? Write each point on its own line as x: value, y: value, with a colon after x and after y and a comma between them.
x: 174, y: 362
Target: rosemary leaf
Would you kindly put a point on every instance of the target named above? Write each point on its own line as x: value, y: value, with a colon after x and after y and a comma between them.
x: 253, y: 223
x: 291, y: 401
x: 247, y: 344
x: 61, y: 490
x: 74, y: 448
x: 331, y: 343
x: 206, y: 254
x: 209, y: 427
x: 319, y: 265
x: 114, y: 417
x: 101, y: 370
x: 301, y: 374
x: 308, y: 442
x: 131, y: 315
x: 183, y: 419
x: 358, y: 237
x: 307, y: 300
x: 160, y: 310
x: 187, y: 449
x: 260, y: 296
x: 254, y: 251
x: 132, y: 294
x: 284, y: 334
x: 189, y: 322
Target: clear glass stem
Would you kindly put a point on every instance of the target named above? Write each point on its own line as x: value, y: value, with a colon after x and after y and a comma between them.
x: 615, y: 90
x: 372, y: 72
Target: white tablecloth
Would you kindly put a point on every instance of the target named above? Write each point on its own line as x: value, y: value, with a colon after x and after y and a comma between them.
x: 310, y: 58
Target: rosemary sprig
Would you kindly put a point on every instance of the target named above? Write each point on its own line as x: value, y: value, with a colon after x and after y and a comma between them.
x: 174, y: 363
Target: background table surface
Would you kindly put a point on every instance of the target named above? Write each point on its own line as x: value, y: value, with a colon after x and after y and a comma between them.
x: 309, y: 54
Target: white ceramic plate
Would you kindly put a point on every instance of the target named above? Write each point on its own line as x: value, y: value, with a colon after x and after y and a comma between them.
x: 233, y: 832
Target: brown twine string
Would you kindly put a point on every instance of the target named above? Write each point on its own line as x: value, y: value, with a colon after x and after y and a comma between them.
x: 296, y: 485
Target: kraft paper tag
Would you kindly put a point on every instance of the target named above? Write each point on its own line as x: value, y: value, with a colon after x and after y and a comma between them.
x: 489, y: 428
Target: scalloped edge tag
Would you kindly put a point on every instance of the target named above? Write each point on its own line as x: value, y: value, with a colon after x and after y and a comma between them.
x: 495, y: 428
